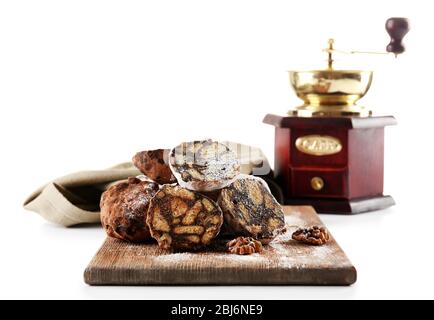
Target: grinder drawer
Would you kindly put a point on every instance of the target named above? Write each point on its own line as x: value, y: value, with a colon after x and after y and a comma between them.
x: 332, y: 183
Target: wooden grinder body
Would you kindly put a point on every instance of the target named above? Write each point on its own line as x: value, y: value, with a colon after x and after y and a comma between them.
x: 351, y: 179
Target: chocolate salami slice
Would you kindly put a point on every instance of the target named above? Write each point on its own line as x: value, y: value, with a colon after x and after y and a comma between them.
x: 204, y: 165
x: 155, y: 165
x: 249, y: 209
x: 181, y: 219
x: 124, y: 207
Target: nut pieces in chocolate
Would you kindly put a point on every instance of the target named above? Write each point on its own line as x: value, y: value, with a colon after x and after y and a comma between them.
x: 250, y: 209
x: 182, y: 219
x: 197, y: 191
x: 204, y: 165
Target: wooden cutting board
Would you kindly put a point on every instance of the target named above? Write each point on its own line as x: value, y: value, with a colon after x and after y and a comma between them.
x: 282, y: 262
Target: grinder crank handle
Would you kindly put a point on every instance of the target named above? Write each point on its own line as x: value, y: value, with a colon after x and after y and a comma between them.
x: 397, y: 28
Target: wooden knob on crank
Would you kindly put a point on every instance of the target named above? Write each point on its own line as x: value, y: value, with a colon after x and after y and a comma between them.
x: 397, y: 28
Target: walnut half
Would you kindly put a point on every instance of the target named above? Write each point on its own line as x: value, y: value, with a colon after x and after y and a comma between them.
x: 314, y: 235
x: 244, y: 245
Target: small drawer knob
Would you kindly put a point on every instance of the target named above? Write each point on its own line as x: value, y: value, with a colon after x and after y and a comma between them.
x: 317, y: 183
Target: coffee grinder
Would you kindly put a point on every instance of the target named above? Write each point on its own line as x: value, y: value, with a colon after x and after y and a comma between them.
x: 329, y: 152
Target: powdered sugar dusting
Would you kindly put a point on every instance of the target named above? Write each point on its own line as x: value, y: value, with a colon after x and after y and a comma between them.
x: 285, y: 262
x: 281, y: 253
x: 252, y: 258
x: 295, y: 219
x: 292, y: 254
x: 288, y: 257
x: 175, y: 257
x: 222, y: 257
x: 284, y: 237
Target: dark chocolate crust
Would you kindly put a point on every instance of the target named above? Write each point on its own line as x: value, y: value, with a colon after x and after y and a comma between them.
x: 124, y: 207
x: 250, y: 210
x: 154, y: 165
x: 181, y: 219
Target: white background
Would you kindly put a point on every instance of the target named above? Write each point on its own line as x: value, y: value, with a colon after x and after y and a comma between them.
x: 86, y: 84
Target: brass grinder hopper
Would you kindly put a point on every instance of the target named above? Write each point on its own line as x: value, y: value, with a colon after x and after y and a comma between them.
x: 332, y: 92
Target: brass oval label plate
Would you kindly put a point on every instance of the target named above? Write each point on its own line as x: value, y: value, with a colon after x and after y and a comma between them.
x: 318, y: 145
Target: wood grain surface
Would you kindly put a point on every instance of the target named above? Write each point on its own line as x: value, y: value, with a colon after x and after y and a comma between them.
x: 282, y: 262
